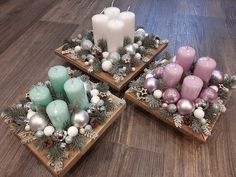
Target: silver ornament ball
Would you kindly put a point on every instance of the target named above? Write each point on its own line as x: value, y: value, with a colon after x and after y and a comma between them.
x: 39, y: 134
x: 130, y: 49
x: 68, y: 139
x: 37, y: 122
x: 80, y: 119
x: 139, y: 34
x: 86, y: 44
x: 59, y: 135
x: 114, y: 57
x: 172, y: 108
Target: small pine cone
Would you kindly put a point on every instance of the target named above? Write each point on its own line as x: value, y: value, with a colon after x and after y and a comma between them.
x: 93, y: 122
x: 48, y: 142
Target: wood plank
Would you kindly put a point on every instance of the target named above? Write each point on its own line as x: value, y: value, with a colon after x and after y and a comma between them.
x: 106, y: 77
x: 76, y: 155
x: 18, y: 16
x: 130, y: 95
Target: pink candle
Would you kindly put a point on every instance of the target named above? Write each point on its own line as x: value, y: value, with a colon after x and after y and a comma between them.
x: 204, y: 68
x: 172, y: 74
x: 185, y: 56
x: 191, y: 87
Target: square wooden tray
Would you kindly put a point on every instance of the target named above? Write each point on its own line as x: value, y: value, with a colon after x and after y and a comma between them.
x: 106, y: 77
x: 74, y: 156
x: 130, y: 95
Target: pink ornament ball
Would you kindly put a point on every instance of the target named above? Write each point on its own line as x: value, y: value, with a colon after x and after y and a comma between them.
x: 209, y: 95
x: 218, y: 76
x: 185, y: 106
x: 171, y: 95
x: 151, y: 84
x: 158, y: 72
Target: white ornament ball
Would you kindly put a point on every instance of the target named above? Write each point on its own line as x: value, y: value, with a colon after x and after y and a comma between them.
x: 133, y: 68
x: 203, y: 121
x: 157, y: 94
x: 30, y: 114
x: 94, y: 92
x: 78, y: 48
x: 88, y: 128
x: 139, y: 43
x: 95, y: 99
x: 141, y: 29
x: 106, y: 65
x: 105, y: 54
x: 68, y: 139
x: 135, y: 45
x: 49, y: 130
x: 82, y: 131
x: 164, y: 105
x: 199, y: 113
x: 86, y: 63
x: 148, y: 76
x: 27, y: 128
x: 72, y: 131
x: 138, y: 56
x: 214, y: 87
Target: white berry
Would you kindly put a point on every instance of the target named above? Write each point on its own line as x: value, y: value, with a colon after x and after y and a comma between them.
x: 27, y: 128
x: 72, y: 131
x: 88, y: 128
x: 94, y: 92
x: 148, y: 75
x: 164, y: 105
x: 107, y: 65
x: 82, y: 131
x: 157, y: 94
x: 95, y: 99
x: 49, y: 130
x: 214, y: 87
x: 138, y: 56
x: 78, y: 48
x: 86, y: 63
x: 199, y: 113
x: 105, y: 54
x: 133, y: 68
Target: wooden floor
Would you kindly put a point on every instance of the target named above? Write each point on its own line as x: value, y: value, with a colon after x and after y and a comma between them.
x: 136, y: 145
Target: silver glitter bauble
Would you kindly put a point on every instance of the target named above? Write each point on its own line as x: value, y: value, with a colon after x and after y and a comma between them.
x: 126, y: 58
x: 88, y: 128
x: 114, y: 57
x: 130, y: 49
x: 59, y: 135
x: 172, y: 108
x: 215, y: 107
x: 199, y: 102
x: 139, y: 34
x: 185, y: 106
x: 39, y: 134
x: 86, y: 44
x: 37, y: 122
x: 80, y: 119
x: 68, y: 139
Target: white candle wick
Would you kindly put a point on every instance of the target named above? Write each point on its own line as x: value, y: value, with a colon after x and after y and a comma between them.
x: 128, y: 8
x: 103, y: 10
x: 112, y: 3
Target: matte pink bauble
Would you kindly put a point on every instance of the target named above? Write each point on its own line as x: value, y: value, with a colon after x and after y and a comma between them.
x: 209, y: 94
x: 185, y: 106
x: 171, y: 95
x: 157, y: 72
x: 218, y: 76
x: 151, y: 84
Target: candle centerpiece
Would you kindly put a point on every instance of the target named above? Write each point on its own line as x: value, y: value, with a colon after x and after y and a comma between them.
x: 181, y: 99
x: 114, y: 49
x: 68, y: 124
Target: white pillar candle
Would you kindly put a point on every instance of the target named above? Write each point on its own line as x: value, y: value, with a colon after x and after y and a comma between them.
x: 129, y: 21
x: 99, y: 23
x: 112, y: 12
x: 115, y: 35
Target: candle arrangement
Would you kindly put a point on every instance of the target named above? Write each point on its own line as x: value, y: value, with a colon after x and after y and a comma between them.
x: 113, y: 46
x: 186, y: 94
x: 63, y: 116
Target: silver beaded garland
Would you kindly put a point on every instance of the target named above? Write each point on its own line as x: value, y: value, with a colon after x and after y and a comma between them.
x: 80, y: 119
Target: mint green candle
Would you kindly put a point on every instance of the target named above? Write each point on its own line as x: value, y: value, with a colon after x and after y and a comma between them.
x: 40, y: 96
x: 58, y: 113
x: 58, y: 75
x: 76, y: 93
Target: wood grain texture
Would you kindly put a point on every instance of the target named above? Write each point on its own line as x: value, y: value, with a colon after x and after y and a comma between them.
x: 106, y: 77
x: 136, y: 144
